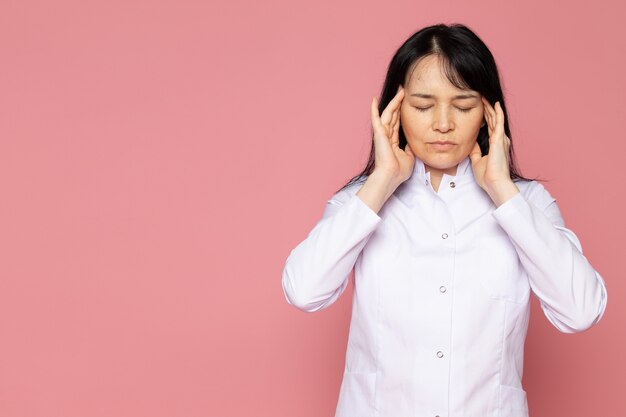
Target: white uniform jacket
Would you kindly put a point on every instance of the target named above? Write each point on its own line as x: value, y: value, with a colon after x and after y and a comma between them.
x: 441, y: 297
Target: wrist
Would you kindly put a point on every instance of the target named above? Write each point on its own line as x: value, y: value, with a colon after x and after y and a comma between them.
x: 384, y: 181
x: 501, y: 191
x: 376, y: 190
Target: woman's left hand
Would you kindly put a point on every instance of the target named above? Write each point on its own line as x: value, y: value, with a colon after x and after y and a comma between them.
x: 492, y: 170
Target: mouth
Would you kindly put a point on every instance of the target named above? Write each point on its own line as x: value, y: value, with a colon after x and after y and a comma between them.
x: 442, y: 146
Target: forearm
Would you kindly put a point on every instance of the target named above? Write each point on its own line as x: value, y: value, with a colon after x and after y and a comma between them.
x: 572, y: 294
x: 376, y: 190
x: 501, y: 192
x: 316, y: 271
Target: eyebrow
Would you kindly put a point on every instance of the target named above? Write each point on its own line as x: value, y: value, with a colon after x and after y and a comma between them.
x: 459, y: 96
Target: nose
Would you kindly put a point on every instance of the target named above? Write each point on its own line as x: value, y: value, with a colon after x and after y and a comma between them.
x: 442, y: 120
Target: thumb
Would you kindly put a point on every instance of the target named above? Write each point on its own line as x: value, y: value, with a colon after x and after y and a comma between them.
x: 475, y: 154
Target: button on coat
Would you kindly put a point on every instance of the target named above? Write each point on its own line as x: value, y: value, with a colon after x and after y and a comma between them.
x: 442, y: 287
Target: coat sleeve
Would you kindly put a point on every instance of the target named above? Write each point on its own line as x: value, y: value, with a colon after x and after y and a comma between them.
x: 572, y: 293
x: 316, y: 271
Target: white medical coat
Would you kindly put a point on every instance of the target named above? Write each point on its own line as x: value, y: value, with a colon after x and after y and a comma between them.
x: 441, y: 298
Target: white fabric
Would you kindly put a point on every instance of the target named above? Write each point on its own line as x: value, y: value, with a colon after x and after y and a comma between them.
x: 442, y: 293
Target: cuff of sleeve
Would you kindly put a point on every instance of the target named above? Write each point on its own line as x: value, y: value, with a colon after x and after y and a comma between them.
x: 363, y: 210
x: 511, y: 208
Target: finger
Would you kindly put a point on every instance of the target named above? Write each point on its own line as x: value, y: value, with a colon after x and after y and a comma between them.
x: 505, y: 151
x: 486, y: 114
x: 385, y: 117
x: 490, y: 112
x: 394, y: 118
x: 507, y: 145
x: 396, y: 127
x: 399, y: 118
x: 500, y: 119
x: 391, y: 107
x: 487, y: 104
x: 487, y: 121
x: 374, y: 111
x: 376, y: 124
x: 491, y: 115
x: 498, y: 129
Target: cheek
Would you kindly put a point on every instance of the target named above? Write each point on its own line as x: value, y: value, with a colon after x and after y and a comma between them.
x: 411, y: 118
x: 406, y: 119
x: 404, y: 113
x: 476, y: 120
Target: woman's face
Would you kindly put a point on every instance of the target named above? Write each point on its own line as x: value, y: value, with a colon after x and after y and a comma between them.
x: 431, y: 113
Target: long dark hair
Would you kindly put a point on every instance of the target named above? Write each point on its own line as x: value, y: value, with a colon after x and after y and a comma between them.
x: 467, y: 63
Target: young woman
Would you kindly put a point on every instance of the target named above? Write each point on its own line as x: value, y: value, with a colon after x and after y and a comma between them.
x: 447, y: 241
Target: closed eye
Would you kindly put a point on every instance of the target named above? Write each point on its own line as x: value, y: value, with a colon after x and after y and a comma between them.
x: 423, y: 109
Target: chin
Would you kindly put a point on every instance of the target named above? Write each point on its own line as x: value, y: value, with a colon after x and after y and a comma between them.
x: 442, y: 161
x: 441, y: 167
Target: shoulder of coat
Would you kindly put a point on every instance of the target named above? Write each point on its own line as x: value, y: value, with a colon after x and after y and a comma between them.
x: 347, y: 193
x: 535, y: 192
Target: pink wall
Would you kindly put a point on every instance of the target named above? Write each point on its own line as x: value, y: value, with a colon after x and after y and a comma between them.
x: 159, y: 160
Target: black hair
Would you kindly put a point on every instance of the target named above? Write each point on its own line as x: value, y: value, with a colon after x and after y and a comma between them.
x: 467, y: 63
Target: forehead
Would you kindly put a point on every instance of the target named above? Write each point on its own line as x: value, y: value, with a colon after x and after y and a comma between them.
x: 428, y: 77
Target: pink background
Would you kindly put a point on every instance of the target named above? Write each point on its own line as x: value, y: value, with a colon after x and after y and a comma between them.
x: 159, y: 160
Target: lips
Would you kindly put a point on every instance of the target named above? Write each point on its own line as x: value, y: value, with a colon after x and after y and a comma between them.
x: 442, y: 146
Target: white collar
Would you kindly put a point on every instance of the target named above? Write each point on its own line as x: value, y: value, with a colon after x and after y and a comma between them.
x: 464, y: 169
x: 419, y: 181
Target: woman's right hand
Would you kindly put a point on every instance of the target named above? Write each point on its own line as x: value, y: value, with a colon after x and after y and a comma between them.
x: 391, y: 161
